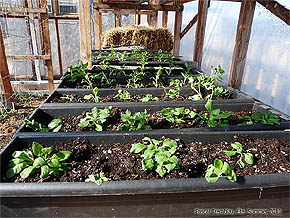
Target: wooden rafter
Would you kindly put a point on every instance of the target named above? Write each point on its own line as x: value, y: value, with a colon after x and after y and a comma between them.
x: 164, y: 19
x: 188, y: 26
x: 136, y: 6
x: 177, y: 31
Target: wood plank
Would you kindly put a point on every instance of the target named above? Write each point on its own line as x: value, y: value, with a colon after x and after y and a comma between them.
x: 164, y: 19
x: 118, y: 18
x: 155, y: 14
x: 277, y: 9
x: 98, y: 29
x: 200, y: 31
x: 5, y: 10
x: 4, y: 72
x: 177, y: 32
x: 27, y: 57
x: 241, y: 43
x: 46, y: 44
x: 136, y: 6
x: 85, y: 32
x: 188, y: 26
x: 137, y: 18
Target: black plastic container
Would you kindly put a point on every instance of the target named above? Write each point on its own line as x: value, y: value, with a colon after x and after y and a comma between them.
x: 51, y: 111
x: 146, y: 198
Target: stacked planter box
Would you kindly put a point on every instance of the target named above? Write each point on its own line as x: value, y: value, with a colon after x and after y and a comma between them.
x: 168, y: 197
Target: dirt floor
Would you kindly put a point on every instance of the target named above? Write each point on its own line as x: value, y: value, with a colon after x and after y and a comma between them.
x: 9, y: 122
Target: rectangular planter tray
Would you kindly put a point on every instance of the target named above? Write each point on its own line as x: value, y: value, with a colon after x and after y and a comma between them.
x: 48, y: 112
x: 143, y: 198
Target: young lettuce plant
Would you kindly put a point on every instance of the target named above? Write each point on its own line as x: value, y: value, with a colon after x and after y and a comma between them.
x: 134, y: 122
x: 69, y: 98
x: 123, y: 95
x: 99, y: 178
x: 79, y: 70
x: 55, y: 125
x: 158, y: 155
x: 262, y: 117
x: 148, y: 98
x: 156, y: 79
x: 246, y: 156
x: 216, y: 117
x: 95, y: 118
x: 27, y: 162
x: 94, y: 96
x: 179, y: 115
x: 174, y: 93
x: 220, y: 169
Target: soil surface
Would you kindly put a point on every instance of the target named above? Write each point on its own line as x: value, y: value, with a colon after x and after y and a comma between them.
x: 114, y: 122
x: 24, y: 106
x: 117, y: 163
x: 73, y: 98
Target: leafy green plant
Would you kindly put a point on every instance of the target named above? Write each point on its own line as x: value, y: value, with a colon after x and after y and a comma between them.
x: 156, y: 79
x: 220, y: 169
x: 134, y: 122
x: 4, y: 114
x: 99, y: 178
x: 262, y: 117
x: 178, y: 115
x: 94, y: 96
x: 123, y: 95
x: 88, y: 80
x: 55, y: 125
x: 69, y: 98
x: 35, y: 126
x: 135, y: 78
x: 148, y: 98
x: 174, y: 93
x: 28, y: 162
x: 246, y: 156
x: 216, y: 117
x: 158, y: 155
x: 95, y: 118
x: 77, y: 71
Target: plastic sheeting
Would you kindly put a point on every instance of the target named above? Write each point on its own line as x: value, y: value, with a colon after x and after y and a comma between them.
x: 267, y: 69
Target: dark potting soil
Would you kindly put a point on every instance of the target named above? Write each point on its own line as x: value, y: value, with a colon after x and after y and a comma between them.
x: 73, y: 98
x: 117, y: 163
x: 113, y: 123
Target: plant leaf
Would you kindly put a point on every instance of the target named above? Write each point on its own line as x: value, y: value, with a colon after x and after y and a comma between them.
x: 230, y: 153
x: 249, y: 158
x: 37, y: 149
x: 160, y: 170
x: 27, y: 171
x: 44, y: 171
x: 39, y: 162
x: 62, y: 155
x: 138, y: 147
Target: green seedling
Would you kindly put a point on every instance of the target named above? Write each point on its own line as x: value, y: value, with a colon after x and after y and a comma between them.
x: 263, y: 117
x: 148, y: 98
x: 95, y: 118
x: 35, y: 126
x: 173, y: 93
x: 99, y: 178
x: 220, y: 169
x: 134, y: 122
x: 246, y: 156
x: 179, y: 115
x: 94, y: 96
x: 157, y: 155
x: 216, y: 117
x: 78, y: 71
x: 29, y: 162
x: 135, y: 78
x: 123, y: 95
x: 156, y: 79
x: 55, y: 125
x: 69, y: 98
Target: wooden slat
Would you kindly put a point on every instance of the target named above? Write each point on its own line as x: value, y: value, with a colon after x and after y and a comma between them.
x: 241, y: 43
x: 277, y: 9
x: 136, y: 6
x: 46, y: 44
x: 177, y: 32
x: 155, y: 15
x: 4, y: 72
x: 27, y: 57
x: 118, y: 18
x: 85, y: 32
x: 98, y: 29
x: 5, y: 10
x: 188, y: 26
x: 164, y: 19
x: 200, y: 31
x: 137, y: 18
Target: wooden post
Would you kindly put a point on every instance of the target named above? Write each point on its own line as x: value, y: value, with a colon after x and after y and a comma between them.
x: 241, y: 44
x: 98, y: 29
x: 137, y: 19
x: 200, y: 31
x: 46, y: 45
x: 149, y: 19
x: 177, y: 31
x: 118, y: 18
x: 164, y: 19
x: 85, y: 31
x: 155, y: 14
x: 4, y: 72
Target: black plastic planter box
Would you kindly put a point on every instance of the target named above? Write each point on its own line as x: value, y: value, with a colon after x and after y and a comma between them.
x: 146, y: 198
x: 52, y: 111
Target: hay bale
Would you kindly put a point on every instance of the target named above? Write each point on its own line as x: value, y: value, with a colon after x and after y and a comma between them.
x: 151, y: 38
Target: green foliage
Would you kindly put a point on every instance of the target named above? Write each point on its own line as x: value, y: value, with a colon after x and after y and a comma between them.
x: 179, y: 115
x: 79, y: 70
x: 158, y: 155
x: 95, y: 118
x: 55, y: 125
x: 123, y: 95
x: 4, y: 114
x: 216, y: 117
x: 220, y: 169
x: 174, y: 93
x: 69, y: 98
x: 134, y: 122
x: 99, y: 178
x: 94, y: 96
x: 28, y: 162
x: 135, y: 78
x: 35, y: 126
x: 246, y: 156
x: 148, y: 98
x: 156, y: 79
x: 262, y: 117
